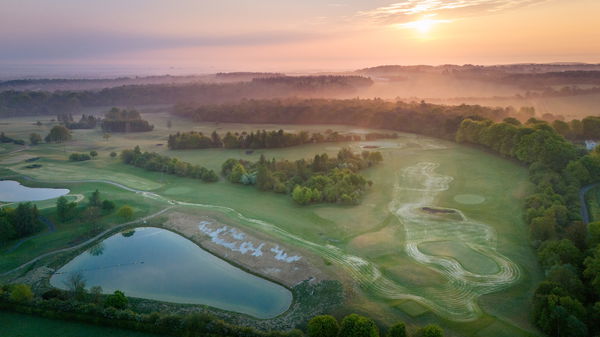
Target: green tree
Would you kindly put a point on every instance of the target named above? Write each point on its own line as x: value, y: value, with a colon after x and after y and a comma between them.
x: 35, y: 138
x: 237, y: 172
x: 113, y: 154
x: 592, y: 270
x: 7, y: 231
x: 58, y: 134
x: 108, y: 205
x: 354, y: 325
x: 397, y: 330
x: 62, y: 208
x: 117, y: 300
x: 323, y: 326
x: 95, y: 199
x: 594, y: 234
x: 25, y: 219
x: 21, y: 293
x: 93, y: 154
x: 430, y: 330
x: 553, y: 253
x: 125, y: 212
x: 302, y: 195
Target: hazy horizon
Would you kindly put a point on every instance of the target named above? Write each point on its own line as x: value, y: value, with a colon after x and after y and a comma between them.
x: 156, y: 37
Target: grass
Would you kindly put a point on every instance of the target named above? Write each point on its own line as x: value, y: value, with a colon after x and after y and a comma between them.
x: 373, y: 232
x: 75, y: 230
x: 20, y: 325
x: 593, y: 201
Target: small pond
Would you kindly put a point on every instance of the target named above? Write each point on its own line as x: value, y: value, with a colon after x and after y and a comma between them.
x: 158, y: 264
x: 13, y: 191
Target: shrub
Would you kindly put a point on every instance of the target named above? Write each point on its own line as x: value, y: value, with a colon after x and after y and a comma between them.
x: 108, y: 205
x: 125, y: 212
x: 354, y: 325
x: 117, y: 300
x: 323, y: 326
x: 21, y: 293
x: 397, y: 330
x: 430, y: 330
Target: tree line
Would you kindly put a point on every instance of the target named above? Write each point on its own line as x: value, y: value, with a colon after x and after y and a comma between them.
x: 153, y: 161
x: 19, y: 222
x: 79, y: 304
x: 440, y: 121
x: 567, y: 302
x: 322, y: 179
x: 262, y: 139
x: 124, y: 120
x: 22, y: 103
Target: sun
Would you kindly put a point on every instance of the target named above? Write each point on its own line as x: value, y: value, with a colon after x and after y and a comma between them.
x: 422, y: 26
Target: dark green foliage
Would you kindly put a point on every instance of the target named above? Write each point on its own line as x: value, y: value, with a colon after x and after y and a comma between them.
x: 117, y: 120
x: 24, y: 102
x: 592, y: 271
x: 152, y: 161
x: 35, y: 139
x: 260, y: 140
x: 5, y: 139
x: 93, y: 154
x: 79, y: 157
x: 113, y: 154
x: 430, y: 330
x: 24, y: 219
x: 64, y: 208
x: 95, y: 199
x: 354, y: 325
x: 430, y: 119
x: 397, y: 330
x: 117, y: 300
x: 21, y: 293
x: 323, y: 326
x: 320, y: 180
x: 108, y: 205
x: 86, y: 122
x: 58, y: 134
x: 552, y: 253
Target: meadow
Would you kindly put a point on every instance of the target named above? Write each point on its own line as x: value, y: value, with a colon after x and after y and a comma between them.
x: 469, y: 269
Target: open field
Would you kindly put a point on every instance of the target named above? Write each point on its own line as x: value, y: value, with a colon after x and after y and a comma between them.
x: 471, y: 272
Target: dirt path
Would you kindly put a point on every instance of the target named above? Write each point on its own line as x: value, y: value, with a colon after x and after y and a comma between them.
x: 585, y: 212
x: 87, y: 241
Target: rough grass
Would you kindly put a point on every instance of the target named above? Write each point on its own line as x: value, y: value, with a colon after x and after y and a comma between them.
x: 347, y: 236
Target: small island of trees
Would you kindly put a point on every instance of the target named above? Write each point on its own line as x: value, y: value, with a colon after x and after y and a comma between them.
x: 322, y: 179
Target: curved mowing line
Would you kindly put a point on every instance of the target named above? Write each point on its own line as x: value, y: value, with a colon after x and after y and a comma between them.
x: 456, y: 298
x: 418, y: 187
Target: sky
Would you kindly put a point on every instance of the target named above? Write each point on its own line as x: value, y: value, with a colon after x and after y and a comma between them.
x: 292, y: 35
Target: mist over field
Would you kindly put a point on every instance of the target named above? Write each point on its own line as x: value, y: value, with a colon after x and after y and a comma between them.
x: 356, y: 168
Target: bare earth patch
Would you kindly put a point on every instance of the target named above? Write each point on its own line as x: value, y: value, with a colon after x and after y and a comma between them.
x: 253, y: 252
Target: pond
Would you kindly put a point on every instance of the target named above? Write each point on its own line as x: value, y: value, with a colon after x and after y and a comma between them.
x: 13, y: 191
x: 157, y: 264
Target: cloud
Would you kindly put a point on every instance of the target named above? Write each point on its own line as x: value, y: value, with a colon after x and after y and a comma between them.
x: 411, y: 10
x: 69, y: 45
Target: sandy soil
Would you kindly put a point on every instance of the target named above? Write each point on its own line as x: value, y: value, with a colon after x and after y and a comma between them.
x: 250, y: 250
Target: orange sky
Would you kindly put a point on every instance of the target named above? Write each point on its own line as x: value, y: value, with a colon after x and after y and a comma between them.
x: 290, y: 35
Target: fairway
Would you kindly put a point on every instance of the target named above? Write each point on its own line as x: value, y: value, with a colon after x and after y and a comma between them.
x: 440, y: 232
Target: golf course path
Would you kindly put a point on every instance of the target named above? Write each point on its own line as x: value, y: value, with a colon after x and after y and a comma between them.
x: 87, y: 241
x: 585, y: 212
